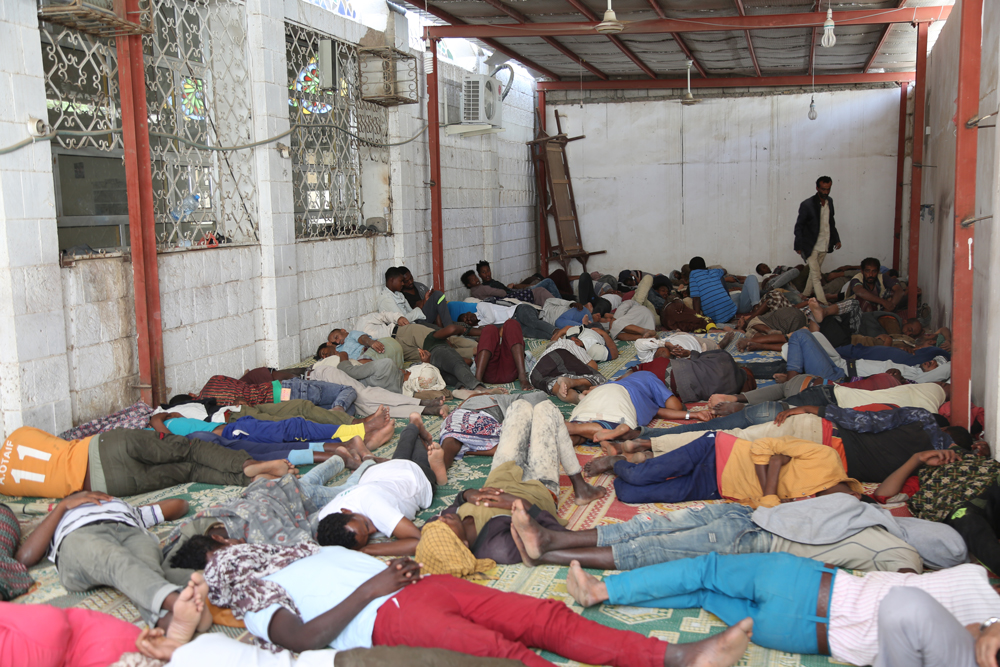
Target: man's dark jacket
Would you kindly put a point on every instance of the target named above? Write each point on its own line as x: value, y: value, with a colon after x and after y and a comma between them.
x: 807, y: 226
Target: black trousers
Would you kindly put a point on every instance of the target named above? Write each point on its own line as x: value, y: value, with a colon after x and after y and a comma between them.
x: 411, y: 448
x: 979, y: 526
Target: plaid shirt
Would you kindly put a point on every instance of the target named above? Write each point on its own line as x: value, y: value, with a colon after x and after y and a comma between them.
x: 944, y: 488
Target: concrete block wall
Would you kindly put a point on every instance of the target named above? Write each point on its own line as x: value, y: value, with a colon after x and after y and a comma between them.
x: 34, y: 368
x: 210, y: 308
x: 99, y: 309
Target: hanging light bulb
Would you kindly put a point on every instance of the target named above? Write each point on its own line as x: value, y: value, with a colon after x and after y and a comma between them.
x: 829, y: 39
x: 812, y: 109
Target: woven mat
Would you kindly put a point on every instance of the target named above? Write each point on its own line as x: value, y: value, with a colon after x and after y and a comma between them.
x: 673, y: 625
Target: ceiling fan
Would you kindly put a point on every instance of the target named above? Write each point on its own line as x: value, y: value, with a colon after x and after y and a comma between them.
x: 688, y: 99
x: 610, y: 24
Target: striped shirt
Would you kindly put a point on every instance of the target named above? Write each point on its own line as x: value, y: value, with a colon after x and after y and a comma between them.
x: 230, y: 391
x: 716, y: 304
x: 964, y: 591
x: 117, y: 511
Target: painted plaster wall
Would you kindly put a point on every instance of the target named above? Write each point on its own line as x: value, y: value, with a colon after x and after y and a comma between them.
x: 724, y: 179
x: 937, y: 224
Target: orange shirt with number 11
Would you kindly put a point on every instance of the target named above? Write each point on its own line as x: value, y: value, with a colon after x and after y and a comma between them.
x: 40, y: 465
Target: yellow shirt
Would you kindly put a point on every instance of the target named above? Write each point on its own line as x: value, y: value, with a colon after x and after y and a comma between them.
x: 37, y: 464
x: 813, y: 468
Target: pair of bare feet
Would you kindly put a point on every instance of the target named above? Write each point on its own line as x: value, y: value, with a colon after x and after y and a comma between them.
x: 722, y: 650
x: 434, y: 407
x: 435, y: 455
x: 190, y: 615
x: 268, y: 469
x: 379, y: 428
x: 567, y: 390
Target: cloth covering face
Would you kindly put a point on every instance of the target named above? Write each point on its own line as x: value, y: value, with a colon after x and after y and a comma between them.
x: 441, y: 552
x: 423, y: 377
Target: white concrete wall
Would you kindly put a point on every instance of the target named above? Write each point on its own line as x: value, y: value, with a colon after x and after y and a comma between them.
x: 724, y: 179
x: 937, y: 231
x: 34, y: 370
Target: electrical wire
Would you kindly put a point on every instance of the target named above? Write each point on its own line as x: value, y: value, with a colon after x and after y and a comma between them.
x: 163, y: 135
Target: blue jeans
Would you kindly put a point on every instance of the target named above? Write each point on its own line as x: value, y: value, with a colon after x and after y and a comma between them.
x: 785, y: 278
x: 806, y: 355
x: 687, y: 473
x: 324, y: 394
x: 313, y: 483
x: 648, y: 539
x: 550, y: 286
x: 748, y: 416
x: 820, y: 395
x: 777, y: 590
x: 749, y: 295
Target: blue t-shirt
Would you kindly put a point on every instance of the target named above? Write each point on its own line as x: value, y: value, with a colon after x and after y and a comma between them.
x: 708, y: 285
x: 571, y: 317
x: 319, y: 583
x: 185, y: 426
x: 352, y: 345
x: 456, y: 308
x: 648, y: 394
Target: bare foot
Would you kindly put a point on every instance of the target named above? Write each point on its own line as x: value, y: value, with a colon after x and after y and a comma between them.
x: 781, y: 378
x: 435, y: 457
x: 715, y: 399
x: 272, y: 469
x: 601, y: 464
x: 611, y: 448
x: 433, y: 403
x: 723, y: 409
x: 425, y: 435
x: 632, y: 446
x: 351, y: 459
x: 722, y: 650
x: 742, y: 344
x: 358, y: 446
x: 377, y: 438
x: 377, y: 420
x: 525, y: 558
x: 639, y: 457
x: 815, y: 309
x: 611, y: 433
x: 444, y: 411
x: 726, y: 340
x: 585, y: 493
x: 585, y: 588
x: 188, y: 609
x: 523, y: 526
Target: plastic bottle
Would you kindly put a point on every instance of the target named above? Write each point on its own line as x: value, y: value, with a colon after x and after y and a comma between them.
x: 187, y: 206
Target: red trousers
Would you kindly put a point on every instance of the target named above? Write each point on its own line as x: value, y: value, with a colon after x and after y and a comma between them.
x: 442, y: 611
x: 501, y: 366
x: 38, y: 635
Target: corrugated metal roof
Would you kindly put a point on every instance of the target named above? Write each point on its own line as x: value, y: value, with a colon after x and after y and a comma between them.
x: 779, y: 51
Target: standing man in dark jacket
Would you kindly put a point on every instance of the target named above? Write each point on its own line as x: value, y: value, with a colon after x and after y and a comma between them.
x: 816, y: 235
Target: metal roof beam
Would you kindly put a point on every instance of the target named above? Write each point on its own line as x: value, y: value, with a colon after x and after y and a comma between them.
x: 677, y: 38
x: 881, y: 42
x: 521, y: 18
x: 730, y: 82
x: 493, y: 44
x: 585, y: 10
x: 713, y: 24
x: 746, y: 33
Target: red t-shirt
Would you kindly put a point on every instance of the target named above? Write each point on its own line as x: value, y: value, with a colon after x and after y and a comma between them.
x: 42, y: 635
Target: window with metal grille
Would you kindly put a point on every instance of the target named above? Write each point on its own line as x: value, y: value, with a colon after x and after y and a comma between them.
x: 198, y: 89
x: 336, y: 133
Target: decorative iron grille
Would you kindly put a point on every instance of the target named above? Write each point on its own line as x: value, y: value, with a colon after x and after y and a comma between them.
x: 336, y: 132
x: 198, y: 88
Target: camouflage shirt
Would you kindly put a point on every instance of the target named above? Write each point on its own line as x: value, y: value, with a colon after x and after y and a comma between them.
x: 944, y: 488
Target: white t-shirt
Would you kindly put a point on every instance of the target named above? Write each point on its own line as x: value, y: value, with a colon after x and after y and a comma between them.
x: 571, y: 347
x: 189, y: 410
x: 490, y: 313
x: 215, y: 649
x: 597, y: 349
x: 386, y: 493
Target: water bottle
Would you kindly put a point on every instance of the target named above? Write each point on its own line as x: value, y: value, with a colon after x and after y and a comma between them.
x: 187, y: 206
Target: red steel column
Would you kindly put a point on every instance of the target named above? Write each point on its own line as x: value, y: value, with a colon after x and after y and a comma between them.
x: 134, y: 217
x: 916, y: 175
x: 434, y: 150
x: 900, y: 161
x: 969, y: 62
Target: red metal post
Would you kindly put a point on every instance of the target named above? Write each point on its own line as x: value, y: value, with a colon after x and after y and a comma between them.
x: 540, y: 180
x: 967, y: 107
x: 135, y: 217
x: 434, y: 149
x: 148, y: 220
x: 900, y: 161
x: 916, y: 175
